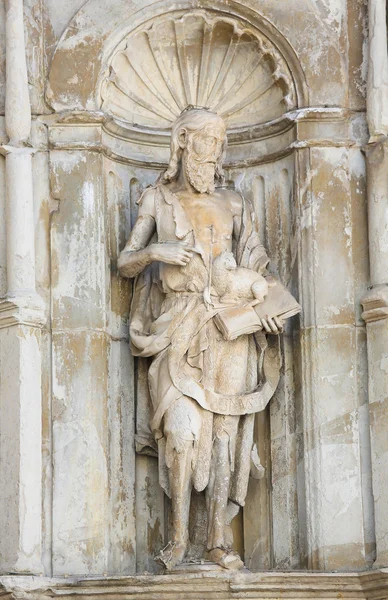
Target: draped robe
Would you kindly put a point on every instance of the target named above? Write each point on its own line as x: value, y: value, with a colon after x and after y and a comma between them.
x: 170, y: 322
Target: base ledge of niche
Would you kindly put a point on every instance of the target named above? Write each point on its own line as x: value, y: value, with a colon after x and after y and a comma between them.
x: 298, y: 585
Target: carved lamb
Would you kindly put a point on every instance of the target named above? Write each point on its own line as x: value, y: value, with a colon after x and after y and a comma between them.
x: 233, y: 284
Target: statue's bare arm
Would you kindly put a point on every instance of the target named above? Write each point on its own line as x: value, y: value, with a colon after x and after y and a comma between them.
x: 139, y: 253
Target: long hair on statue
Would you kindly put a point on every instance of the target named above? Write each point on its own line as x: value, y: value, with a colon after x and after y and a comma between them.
x: 191, y: 120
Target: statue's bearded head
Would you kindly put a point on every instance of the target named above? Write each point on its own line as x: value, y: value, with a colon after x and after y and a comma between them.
x: 198, y: 144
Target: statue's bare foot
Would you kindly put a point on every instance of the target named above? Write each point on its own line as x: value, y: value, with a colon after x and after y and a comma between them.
x: 229, y: 559
x: 171, y: 555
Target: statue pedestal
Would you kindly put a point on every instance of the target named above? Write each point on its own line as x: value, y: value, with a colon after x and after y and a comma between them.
x: 202, y: 567
x: 204, y: 585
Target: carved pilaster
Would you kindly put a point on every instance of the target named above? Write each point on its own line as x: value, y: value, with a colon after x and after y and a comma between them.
x: 17, y: 101
x: 20, y: 227
x: 375, y: 301
x: 375, y: 304
x: 377, y: 90
x: 377, y: 186
x: 331, y: 335
x: 19, y: 189
x: 21, y: 318
x: 375, y: 314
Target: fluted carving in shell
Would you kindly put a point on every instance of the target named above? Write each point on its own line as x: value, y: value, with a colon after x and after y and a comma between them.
x: 199, y: 58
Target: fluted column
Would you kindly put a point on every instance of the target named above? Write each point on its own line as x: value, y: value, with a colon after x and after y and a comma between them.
x: 19, y: 214
x: 377, y: 90
x: 17, y: 101
x: 375, y: 302
x: 21, y: 319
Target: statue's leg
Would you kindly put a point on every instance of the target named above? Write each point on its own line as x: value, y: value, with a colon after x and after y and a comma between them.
x: 180, y: 487
x: 182, y: 424
x: 217, y: 493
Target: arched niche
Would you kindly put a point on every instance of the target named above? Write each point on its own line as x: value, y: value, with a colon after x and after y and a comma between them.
x: 201, y: 58
x: 96, y: 31
x: 116, y: 93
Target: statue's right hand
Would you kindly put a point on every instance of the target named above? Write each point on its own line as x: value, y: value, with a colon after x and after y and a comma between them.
x: 171, y: 253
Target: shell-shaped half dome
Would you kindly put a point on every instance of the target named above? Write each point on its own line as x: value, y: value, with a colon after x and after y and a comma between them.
x: 199, y: 58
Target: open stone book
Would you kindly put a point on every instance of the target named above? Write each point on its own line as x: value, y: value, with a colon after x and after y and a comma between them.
x: 246, y: 318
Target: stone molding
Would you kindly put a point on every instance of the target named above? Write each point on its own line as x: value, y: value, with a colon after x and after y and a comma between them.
x: 369, y: 585
x: 375, y: 304
x: 29, y: 311
x: 376, y: 150
x: 7, y: 149
x: 267, y: 142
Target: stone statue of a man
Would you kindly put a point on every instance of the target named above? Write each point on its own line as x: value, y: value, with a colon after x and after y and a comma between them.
x: 204, y: 386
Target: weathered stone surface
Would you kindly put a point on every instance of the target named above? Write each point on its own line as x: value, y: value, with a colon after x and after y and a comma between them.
x: 2, y: 57
x: 66, y: 373
x: 78, y: 254
x: 80, y: 439
x: 3, y: 247
x: 121, y: 512
x: 378, y: 385
x: 207, y: 586
x: 323, y: 43
x: 21, y: 448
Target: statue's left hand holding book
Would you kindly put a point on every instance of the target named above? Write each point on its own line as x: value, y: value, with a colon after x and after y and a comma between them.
x: 245, y: 318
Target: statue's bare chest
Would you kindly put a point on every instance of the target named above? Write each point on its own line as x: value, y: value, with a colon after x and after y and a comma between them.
x: 212, y: 220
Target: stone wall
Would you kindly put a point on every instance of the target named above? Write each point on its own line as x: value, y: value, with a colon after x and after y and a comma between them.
x: 76, y: 497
